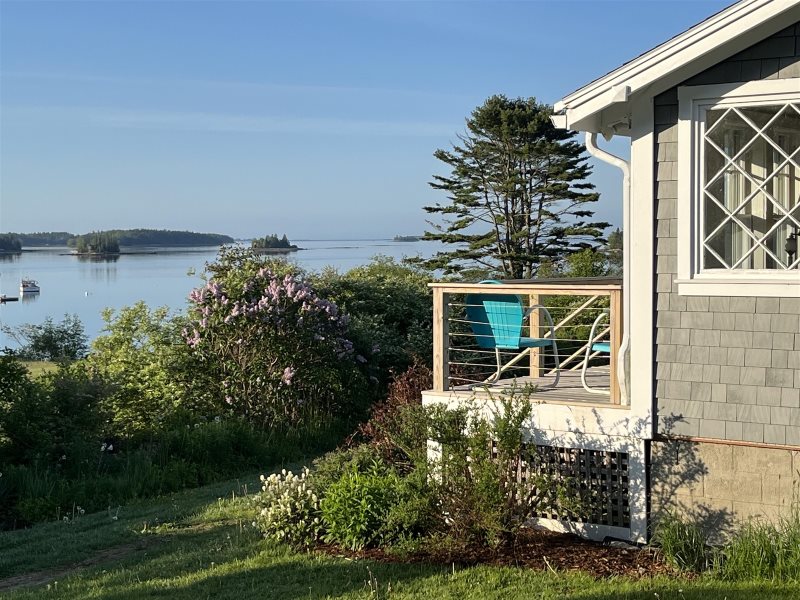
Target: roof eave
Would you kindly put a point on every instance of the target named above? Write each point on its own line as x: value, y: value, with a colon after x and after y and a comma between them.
x: 582, y: 108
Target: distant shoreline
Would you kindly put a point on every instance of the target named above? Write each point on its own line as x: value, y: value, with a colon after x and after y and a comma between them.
x: 104, y: 254
x: 276, y: 250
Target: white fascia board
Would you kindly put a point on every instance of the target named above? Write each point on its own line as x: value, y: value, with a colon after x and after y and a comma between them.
x: 724, y: 29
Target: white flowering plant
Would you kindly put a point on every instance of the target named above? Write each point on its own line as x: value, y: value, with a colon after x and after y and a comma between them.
x: 289, y: 508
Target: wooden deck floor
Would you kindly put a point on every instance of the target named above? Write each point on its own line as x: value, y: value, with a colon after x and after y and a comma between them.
x: 569, y: 387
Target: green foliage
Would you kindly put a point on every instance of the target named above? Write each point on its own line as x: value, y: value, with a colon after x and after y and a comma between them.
x: 398, y: 426
x: 517, y: 192
x: 57, y: 416
x: 390, y: 310
x: 99, y: 474
x: 356, y: 508
x: 50, y: 341
x: 683, y: 543
x: 272, y: 241
x: 614, y: 250
x: 763, y: 550
x: 141, y: 351
x: 289, y: 509
x: 15, y: 382
x: 97, y: 242
x: 474, y: 479
x: 272, y: 350
x: 236, y: 265
x: 10, y: 242
x: 331, y: 467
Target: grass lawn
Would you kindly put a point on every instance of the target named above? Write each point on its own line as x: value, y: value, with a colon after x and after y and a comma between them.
x: 199, y: 544
x: 39, y: 367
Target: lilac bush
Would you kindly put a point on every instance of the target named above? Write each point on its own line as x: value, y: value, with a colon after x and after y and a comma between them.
x: 270, y: 348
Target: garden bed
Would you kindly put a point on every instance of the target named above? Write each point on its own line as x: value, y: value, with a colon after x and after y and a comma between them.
x: 535, y: 549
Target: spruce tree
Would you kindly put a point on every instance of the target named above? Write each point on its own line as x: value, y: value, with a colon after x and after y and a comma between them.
x: 518, y: 195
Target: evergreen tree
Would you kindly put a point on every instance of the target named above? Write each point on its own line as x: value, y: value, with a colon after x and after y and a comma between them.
x: 615, y: 257
x: 518, y: 193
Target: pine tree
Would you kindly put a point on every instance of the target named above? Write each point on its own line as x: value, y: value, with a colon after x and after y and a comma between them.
x: 518, y: 193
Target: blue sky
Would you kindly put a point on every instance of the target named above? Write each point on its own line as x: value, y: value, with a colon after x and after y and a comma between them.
x: 317, y: 119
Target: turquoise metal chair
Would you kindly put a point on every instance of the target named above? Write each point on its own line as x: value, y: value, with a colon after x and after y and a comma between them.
x: 497, y: 321
x: 595, y: 348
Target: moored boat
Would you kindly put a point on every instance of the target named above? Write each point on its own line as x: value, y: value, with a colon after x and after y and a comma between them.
x: 29, y: 286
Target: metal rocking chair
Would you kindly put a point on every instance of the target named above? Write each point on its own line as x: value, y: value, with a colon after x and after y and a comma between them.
x: 497, y: 321
x: 593, y: 347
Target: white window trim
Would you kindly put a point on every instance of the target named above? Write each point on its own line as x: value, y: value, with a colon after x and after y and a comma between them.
x: 691, y: 99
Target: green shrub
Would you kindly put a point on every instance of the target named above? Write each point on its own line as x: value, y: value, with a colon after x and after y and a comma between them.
x: 482, y: 453
x: 50, y: 341
x: 58, y: 415
x: 331, y: 467
x: 356, y: 508
x: 683, y: 544
x: 142, y: 353
x: 271, y: 350
x: 289, y: 508
x: 412, y: 512
x: 390, y: 310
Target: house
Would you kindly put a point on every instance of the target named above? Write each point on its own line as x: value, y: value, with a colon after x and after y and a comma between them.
x: 702, y: 411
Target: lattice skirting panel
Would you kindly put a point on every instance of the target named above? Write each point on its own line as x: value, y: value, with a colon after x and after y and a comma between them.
x: 595, y: 483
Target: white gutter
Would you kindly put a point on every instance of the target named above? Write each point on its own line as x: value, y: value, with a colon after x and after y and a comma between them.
x: 623, y: 359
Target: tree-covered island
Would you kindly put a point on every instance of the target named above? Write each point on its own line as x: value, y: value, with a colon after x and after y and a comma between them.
x: 97, y: 242
x: 10, y: 243
x: 127, y: 238
x: 272, y: 244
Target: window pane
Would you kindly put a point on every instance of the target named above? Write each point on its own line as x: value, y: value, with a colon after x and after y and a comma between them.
x: 729, y: 244
x: 785, y: 130
x: 748, y: 176
x: 759, y: 115
x: 731, y: 134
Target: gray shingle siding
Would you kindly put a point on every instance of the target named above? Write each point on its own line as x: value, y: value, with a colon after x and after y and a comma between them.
x: 726, y: 368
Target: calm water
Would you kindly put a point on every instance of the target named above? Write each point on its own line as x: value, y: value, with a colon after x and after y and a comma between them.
x: 84, y: 287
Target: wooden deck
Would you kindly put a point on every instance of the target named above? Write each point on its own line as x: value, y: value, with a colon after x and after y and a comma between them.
x: 569, y: 387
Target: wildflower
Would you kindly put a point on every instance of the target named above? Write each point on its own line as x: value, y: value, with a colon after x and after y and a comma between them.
x: 288, y: 373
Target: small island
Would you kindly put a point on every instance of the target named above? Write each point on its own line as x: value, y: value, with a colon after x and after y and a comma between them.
x: 406, y: 238
x: 97, y: 243
x: 272, y: 244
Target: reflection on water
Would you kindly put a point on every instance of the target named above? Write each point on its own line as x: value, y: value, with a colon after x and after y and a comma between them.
x: 6, y: 257
x: 106, y: 272
x: 29, y: 297
x: 98, y: 258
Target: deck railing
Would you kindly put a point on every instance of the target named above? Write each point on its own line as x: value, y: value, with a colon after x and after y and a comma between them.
x: 459, y: 362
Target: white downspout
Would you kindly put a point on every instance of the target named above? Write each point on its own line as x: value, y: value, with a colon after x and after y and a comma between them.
x: 623, y: 359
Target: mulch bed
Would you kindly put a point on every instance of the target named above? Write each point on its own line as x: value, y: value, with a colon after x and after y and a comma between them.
x: 535, y: 549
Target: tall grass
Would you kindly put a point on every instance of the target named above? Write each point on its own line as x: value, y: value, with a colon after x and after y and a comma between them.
x: 683, y: 544
x: 758, y: 550
x: 761, y: 550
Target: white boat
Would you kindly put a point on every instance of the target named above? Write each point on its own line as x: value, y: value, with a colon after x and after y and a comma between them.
x: 29, y: 286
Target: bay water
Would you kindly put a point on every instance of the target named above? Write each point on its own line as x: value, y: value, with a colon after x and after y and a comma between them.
x: 158, y: 276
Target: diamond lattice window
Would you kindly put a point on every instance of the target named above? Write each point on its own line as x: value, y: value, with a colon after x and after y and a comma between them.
x: 750, y: 207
